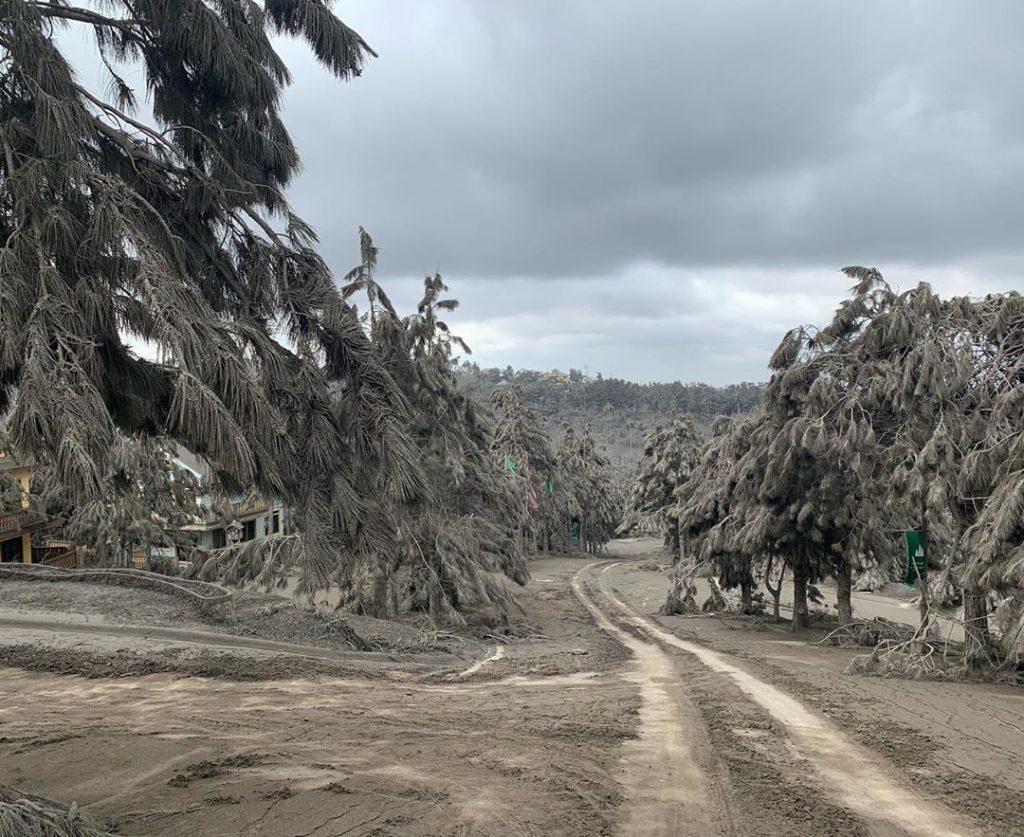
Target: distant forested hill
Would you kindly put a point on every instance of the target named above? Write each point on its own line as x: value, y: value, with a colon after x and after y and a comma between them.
x: 620, y: 412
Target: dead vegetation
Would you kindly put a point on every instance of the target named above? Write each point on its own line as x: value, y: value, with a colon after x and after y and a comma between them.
x: 868, y: 633
x: 932, y: 658
x: 28, y: 815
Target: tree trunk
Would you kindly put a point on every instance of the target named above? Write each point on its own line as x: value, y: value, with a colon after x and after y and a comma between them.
x: 747, y: 596
x: 673, y: 543
x: 436, y: 594
x: 378, y: 598
x: 680, y: 598
x: 922, y: 581
x: 379, y: 603
x: 776, y: 591
x: 801, y: 614
x: 844, y: 585
x: 436, y: 591
x: 978, y: 641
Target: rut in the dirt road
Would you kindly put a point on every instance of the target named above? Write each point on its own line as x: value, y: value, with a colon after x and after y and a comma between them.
x: 852, y: 777
x: 667, y: 790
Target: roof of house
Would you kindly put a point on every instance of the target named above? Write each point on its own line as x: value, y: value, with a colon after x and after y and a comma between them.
x: 195, y: 464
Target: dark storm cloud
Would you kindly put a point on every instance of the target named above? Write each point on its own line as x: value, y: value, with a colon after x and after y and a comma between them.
x: 584, y: 171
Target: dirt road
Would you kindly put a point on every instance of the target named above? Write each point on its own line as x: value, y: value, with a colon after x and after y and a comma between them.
x: 609, y: 720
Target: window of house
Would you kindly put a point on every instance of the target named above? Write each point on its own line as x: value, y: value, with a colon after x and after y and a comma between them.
x: 220, y: 539
x: 275, y: 525
x: 248, y: 530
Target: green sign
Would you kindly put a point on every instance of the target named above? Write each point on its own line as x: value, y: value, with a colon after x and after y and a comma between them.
x: 917, y: 562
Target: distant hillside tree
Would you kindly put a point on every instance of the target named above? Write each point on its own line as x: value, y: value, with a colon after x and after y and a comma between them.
x: 620, y: 413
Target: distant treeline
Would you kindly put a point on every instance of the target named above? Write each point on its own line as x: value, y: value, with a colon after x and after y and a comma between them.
x: 620, y: 412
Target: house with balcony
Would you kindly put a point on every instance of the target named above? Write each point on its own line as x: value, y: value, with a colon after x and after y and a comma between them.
x: 21, y: 529
x: 222, y: 520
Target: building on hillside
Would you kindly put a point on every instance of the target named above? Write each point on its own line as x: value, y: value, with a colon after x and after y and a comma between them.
x: 220, y: 521
x: 20, y: 528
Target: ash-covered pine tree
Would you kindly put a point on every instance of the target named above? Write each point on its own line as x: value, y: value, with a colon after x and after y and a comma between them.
x: 910, y: 383
x: 914, y: 403
x: 669, y: 457
x: 524, y: 449
x: 937, y: 382
x: 798, y: 491
x: 793, y: 489
x: 708, y: 526
x: 603, y: 514
x: 584, y: 492
x: 173, y: 229
x: 450, y: 545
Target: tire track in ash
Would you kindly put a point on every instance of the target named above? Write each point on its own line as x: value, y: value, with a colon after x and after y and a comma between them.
x: 667, y: 791
x: 853, y: 777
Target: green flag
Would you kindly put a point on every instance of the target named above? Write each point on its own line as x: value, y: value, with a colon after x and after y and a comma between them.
x: 917, y: 561
x: 551, y: 484
x: 511, y: 465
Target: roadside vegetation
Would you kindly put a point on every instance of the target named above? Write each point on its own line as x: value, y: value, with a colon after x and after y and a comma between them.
x: 903, y: 414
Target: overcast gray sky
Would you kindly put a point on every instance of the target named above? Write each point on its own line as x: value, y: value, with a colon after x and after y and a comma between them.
x: 659, y: 189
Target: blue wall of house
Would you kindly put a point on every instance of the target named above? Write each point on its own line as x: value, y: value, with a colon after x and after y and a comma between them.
x: 262, y: 522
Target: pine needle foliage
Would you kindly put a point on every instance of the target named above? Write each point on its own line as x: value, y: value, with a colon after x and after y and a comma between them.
x: 146, y: 501
x: 172, y: 229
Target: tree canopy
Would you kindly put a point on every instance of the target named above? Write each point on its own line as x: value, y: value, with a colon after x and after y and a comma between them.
x: 584, y: 492
x: 170, y: 230
x: 901, y: 414
x: 669, y: 456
